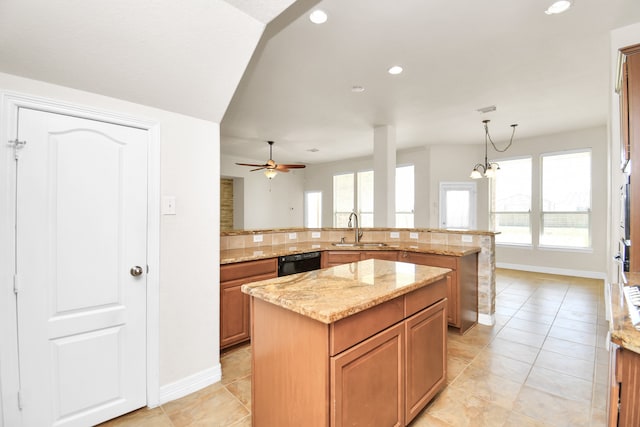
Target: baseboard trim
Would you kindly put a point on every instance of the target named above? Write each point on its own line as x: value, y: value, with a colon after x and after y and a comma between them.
x: 551, y: 270
x: 190, y: 384
x: 486, y: 319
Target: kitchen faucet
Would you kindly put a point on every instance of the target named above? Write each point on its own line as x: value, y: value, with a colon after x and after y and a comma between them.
x: 358, y: 233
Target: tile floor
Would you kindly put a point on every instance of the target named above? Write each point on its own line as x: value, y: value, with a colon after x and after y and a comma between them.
x: 544, y: 363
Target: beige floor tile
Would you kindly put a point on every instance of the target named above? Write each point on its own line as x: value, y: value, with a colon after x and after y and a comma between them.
x: 467, y: 411
x: 579, y: 337
x: 487, y: 386
x: 560, y: 384
x: 598, y: 418
x: 529, y: 326
x: 522, y: 337
x: 577, y: 315
x: 600, y: 396
x: 241, y: 389
x: 513, y: 350
x: 534, y: 317
x: 554, y: 410
x: 518, y: 420
x: 235, y: 365
x: 215, y: 408
x: 245, y: 422
x: 567, y: 365
x: 426, y: 420
x: 462, y: 350
x: 455, y: 367
x: 502, y: 366
x: 540, y: 309
x: 568, y: 348
x: 141, y: 418
x: 576, y: 325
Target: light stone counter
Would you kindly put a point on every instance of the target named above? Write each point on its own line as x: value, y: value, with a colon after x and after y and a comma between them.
x: 334, y: 293
x: 230, y: 256
x: 622, y: 331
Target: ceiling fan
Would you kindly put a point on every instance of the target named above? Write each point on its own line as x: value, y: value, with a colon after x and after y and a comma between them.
x: 271, y: 168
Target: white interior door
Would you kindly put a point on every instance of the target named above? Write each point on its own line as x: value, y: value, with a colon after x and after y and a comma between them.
x: 458, y: 205
x: 81, y: 226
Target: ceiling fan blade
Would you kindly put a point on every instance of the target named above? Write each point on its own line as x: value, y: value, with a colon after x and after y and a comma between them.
x: 251, y: 164
x: 293, y: 166
x: 257, y: 169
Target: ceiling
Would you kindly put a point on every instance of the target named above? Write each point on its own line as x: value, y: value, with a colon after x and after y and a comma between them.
x: 548, y: 73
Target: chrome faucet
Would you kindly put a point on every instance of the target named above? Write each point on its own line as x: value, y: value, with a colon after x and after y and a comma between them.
x: 358, y: 233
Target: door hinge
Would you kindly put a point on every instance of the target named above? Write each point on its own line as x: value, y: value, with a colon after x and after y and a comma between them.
x: 17, y: 146
x: 16, y: 283
x: 20, y: 400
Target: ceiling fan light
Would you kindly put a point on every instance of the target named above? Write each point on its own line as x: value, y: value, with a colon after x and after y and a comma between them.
x: 558, y: 7
x: 270, y: 173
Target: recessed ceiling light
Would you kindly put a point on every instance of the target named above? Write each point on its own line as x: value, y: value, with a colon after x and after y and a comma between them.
x: 313, y: 150
x: 318, y: 16
x: 396, y: 69
x: 558, y: 7
x: 357, y: 89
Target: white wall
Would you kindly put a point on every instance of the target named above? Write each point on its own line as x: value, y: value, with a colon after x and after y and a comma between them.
x: 592, y: 263
x: 189, y: 297
x: 276, y: 203
x: 621, y: 37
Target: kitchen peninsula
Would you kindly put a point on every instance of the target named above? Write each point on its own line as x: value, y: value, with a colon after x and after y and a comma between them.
x: 362, y: 343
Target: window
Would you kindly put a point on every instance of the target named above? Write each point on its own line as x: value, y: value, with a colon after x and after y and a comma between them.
x: 566, y: 200
x: 405, y: 195
x: 343, y: 202
x: 458, y: 205
x: 511, y: 202
x: 346, y: 199
x: 313, y: 209
x: 365, y: 198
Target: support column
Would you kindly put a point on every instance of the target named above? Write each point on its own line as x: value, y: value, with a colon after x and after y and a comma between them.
x: 384, y: 180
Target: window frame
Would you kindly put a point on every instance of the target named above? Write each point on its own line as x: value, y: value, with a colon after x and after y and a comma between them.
x: 355, y: 196
x: 588, y: 212
x: 413, y: 210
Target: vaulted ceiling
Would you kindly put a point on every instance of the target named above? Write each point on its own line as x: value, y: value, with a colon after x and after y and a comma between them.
x: 548, y: 73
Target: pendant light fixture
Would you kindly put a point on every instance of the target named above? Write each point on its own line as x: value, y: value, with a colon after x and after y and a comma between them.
x: 488, y: 169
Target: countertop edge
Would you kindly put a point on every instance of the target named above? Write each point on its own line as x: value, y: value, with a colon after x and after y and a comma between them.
x: 273, y: 251
x: 254, y: 290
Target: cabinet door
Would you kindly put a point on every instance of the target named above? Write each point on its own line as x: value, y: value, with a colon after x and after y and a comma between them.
x: 386, y: 255
x: 367, y: 382
x: 331, y: 258
x: 234, y: 310
x: 426, y: 357
x: 452, y: 278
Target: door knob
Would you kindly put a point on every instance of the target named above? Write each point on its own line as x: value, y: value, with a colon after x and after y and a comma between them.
x: 136, y: 271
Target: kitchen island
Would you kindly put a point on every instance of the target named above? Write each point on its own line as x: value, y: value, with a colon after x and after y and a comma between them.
x: 356, y: 344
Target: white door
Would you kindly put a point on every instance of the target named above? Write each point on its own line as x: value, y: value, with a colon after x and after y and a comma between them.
x: 81, y: 227
x: 458, y: 205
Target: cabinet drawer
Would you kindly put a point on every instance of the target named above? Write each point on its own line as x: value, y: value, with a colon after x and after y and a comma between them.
x: 246, y: 269
x: 424, y: 297
x: 385, y: 255
x: 444, y: 261
x: 351, y: 330
x: 341, y: 257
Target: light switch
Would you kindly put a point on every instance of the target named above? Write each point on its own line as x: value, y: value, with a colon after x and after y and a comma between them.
x: 413, y: 235
x: 293, y: 236
x: 168, y: 205
x: 315, y: 235
x: 394, y: 235
x: 466, y: 238
x: 257, y: 238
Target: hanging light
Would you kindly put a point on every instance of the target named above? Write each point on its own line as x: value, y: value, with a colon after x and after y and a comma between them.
x: 488, y: 169
x: 270, y: 173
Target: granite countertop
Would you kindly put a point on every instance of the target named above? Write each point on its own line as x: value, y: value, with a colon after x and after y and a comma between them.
x: 230, y: 256
x: 622, y: 331
x: 331, y: 294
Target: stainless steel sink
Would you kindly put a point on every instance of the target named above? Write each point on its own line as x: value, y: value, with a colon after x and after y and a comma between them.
x: 361, y: 244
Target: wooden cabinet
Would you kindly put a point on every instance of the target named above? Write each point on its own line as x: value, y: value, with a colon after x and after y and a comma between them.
x: 367, y: 381
x: 630, y: 137
x: 624, y: 388
x: 380, y: 366
x: 462, y: 285
x: 332, y: 258
x: 234, y: 305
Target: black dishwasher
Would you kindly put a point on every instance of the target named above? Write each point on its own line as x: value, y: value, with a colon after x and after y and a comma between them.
x: 298, y: 263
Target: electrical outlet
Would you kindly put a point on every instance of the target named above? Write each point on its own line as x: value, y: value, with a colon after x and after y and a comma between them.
x: 293, y: 236
x: 315, y: 235
x: 394, y: 235
x: 257, y: 238
x: 466, y: 238
x: 413, y: 235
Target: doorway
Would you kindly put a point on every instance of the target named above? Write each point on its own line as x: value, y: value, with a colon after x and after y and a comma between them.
x: 82, y: 244
x: 458, y: 205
